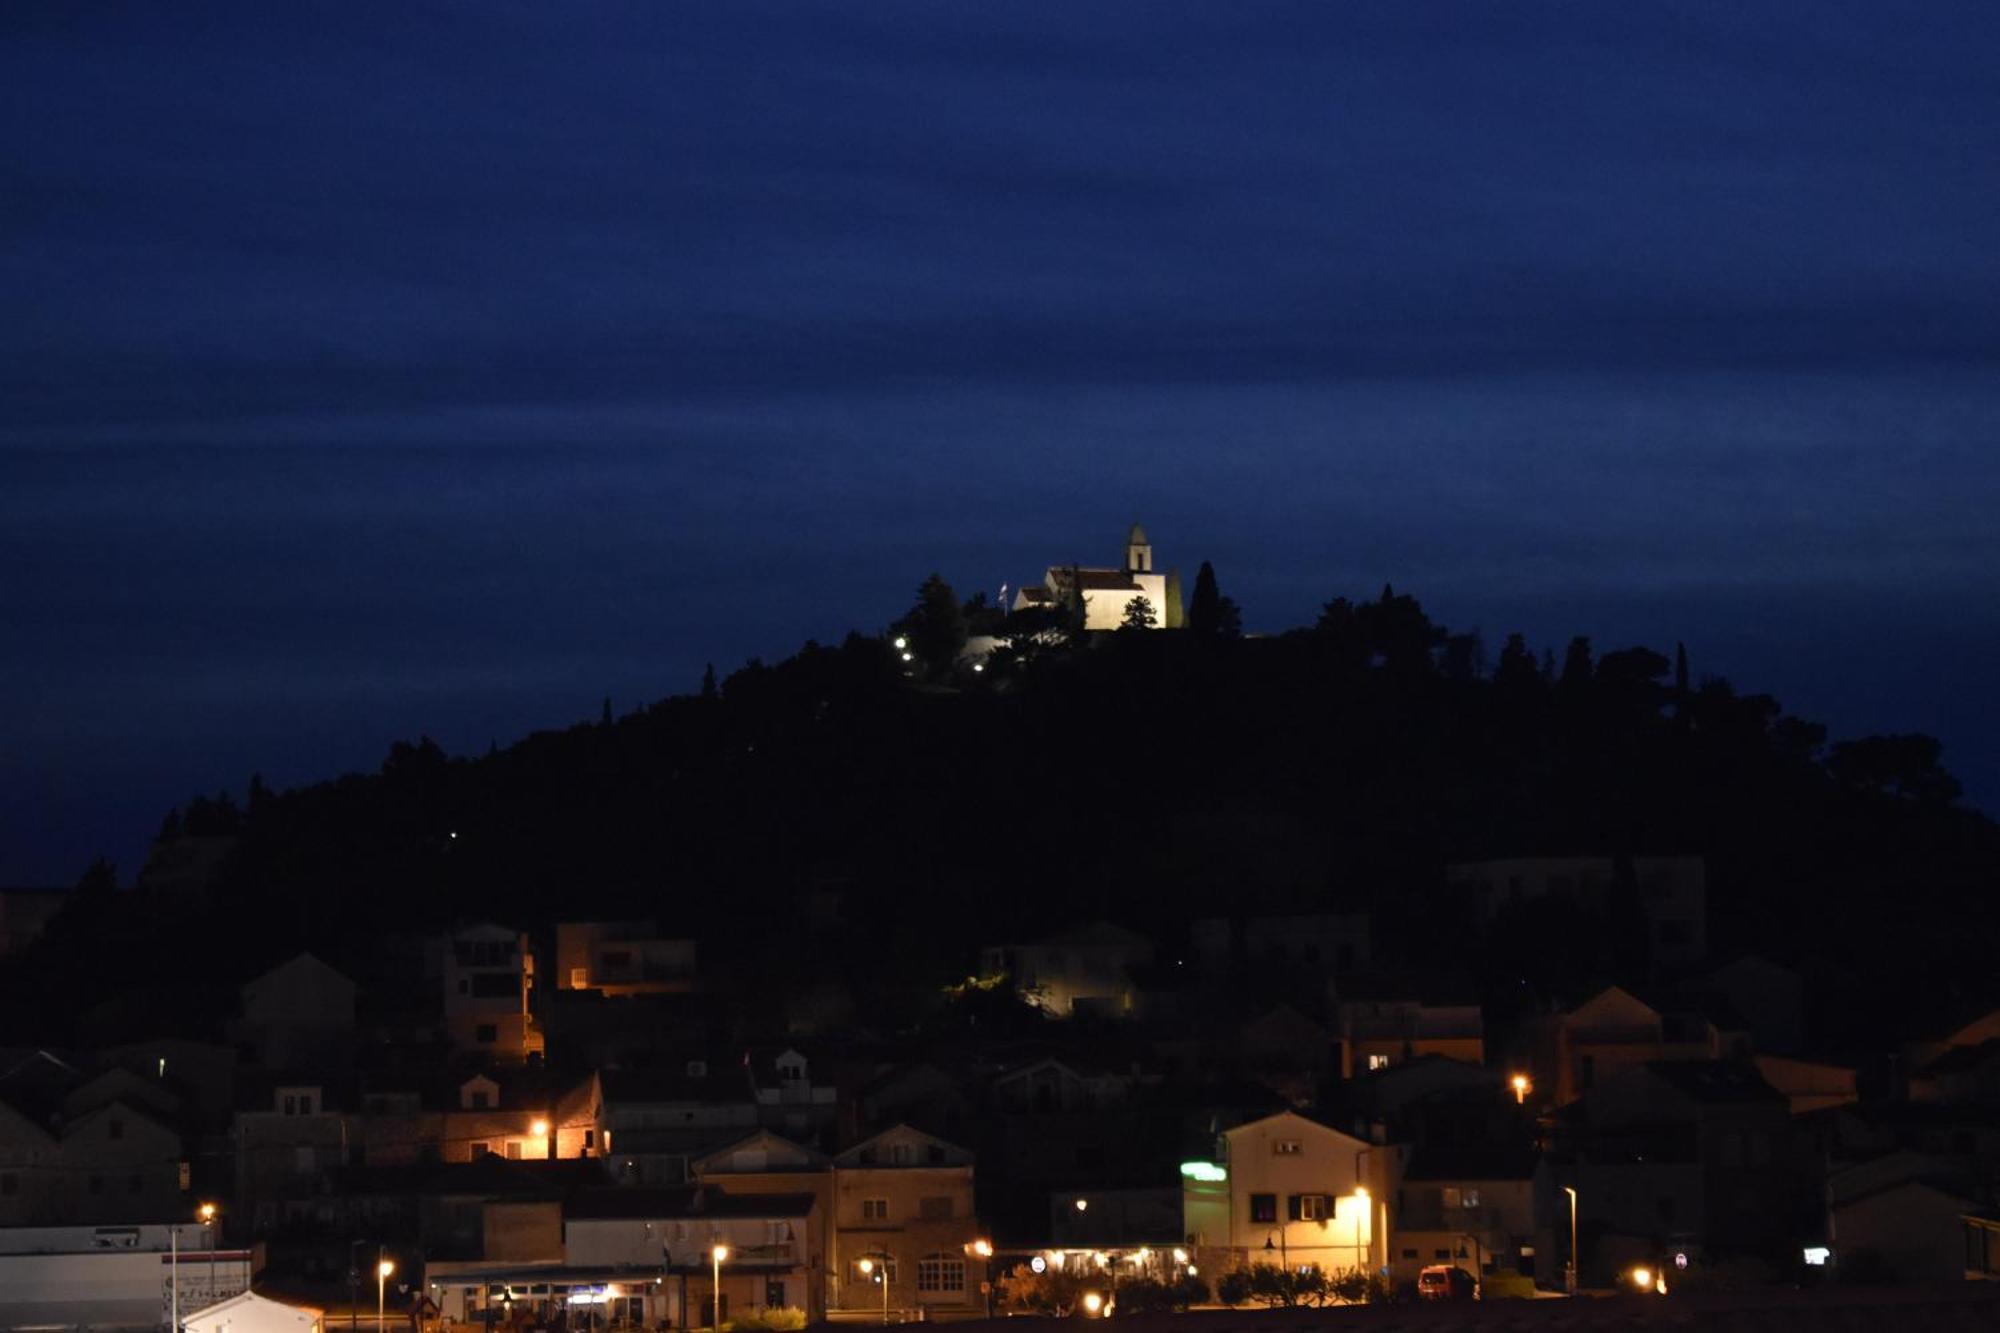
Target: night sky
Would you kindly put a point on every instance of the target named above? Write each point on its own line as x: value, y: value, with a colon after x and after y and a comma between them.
x: 375, y: 370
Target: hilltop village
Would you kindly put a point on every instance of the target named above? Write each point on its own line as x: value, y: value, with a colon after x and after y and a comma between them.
x: 1070, y: 948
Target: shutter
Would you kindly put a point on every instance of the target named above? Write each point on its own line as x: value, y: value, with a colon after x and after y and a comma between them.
x: 1293, y: 1207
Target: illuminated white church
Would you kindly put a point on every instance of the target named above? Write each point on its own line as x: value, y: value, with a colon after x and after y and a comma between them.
x: 1108, y: 592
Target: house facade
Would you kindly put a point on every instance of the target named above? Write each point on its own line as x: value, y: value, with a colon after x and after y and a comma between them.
x: 489, y: 985
x: 1290, y: 1191
x: 902, y: 1201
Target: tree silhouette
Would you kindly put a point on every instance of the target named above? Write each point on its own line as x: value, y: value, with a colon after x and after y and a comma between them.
x: 1139, y: 615
x: 1204, y: 615
x: 935, y: 626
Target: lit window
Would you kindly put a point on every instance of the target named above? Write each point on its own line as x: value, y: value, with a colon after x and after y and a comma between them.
x: 1285, y: 1147
x: 1378, y: 1062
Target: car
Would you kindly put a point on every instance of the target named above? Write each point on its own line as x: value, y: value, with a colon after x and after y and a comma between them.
x: 1443, y: 1282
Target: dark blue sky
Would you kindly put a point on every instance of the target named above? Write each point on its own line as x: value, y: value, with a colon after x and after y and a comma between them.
x: 372, y: 370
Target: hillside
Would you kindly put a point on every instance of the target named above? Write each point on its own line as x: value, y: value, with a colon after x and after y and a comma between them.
x: 844, y: 813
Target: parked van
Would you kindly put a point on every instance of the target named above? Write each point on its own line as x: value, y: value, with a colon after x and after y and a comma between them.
x: 1442, y: 1282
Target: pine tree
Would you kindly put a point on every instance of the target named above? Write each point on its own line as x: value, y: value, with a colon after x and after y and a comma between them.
x: 708, y: 690
x: 935, y: 626
x: 1204, y: 615
x: 1139, y: 615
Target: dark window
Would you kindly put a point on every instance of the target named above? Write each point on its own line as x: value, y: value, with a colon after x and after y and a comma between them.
x: 481, y: 1099
x: 774, y: 1291
x: 1441, y: 1254
x: 1263, y: 1208
x: 934, y: 1155
x: 590, y: 1138
x: 1295, y: 1207
x: 1409, y: 1254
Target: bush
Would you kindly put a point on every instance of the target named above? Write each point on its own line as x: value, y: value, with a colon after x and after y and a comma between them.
x: 770, y: 1319
x: 1233, y: 1287
x: 1051, y: 1292
x: 1189, y: 1289
x: 1357, y: 1285
x: 1505, y: 1284
x: 1144, y: 1295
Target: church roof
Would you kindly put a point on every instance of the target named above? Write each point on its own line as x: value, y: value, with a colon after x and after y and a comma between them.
x: 1092, y: 579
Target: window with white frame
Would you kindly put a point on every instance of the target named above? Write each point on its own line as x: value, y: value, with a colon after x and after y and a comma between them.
x: 941, y: 1272
x: 1312, y: 1207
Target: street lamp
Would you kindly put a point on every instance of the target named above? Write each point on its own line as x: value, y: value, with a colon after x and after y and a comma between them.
x: 540, y: 1129
x: 1520, y: 1084
x: 206, y: 1215
x: 383, y: 1267
x: 868, y: 1267
x: 1573, y: 1275
x: 716, y: 1254
x: 984, y: 1249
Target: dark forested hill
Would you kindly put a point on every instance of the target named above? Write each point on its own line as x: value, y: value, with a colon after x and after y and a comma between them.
x: 1150, y: 777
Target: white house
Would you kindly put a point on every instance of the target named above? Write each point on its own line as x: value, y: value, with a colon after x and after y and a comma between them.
x: 1088, y: 966
x: 1290, y: 1191
x: 250, y: 1313
x: 1107, y: 592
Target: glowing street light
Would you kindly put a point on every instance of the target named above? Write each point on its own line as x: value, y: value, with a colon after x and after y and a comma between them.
x: 1093, y: 1303
x: 868, y: 1267
x: 1520, y: 1084
x: 984, y: 1249
x: 1083, y: 1205
x: 383, y: 1267
x: 716, y: 1254
x: 1642, y: 1278
x: 206, y: 1215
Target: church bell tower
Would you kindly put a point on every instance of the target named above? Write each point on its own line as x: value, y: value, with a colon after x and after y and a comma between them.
x: 1138, y: 552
